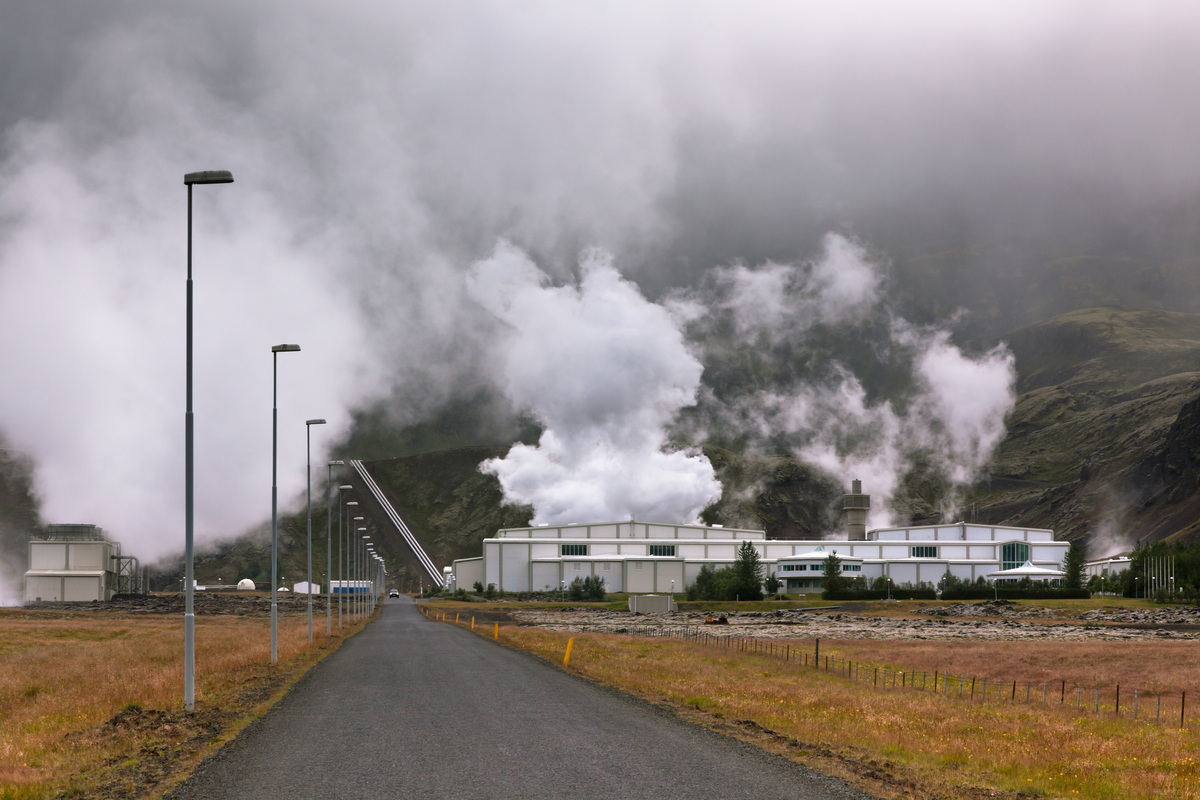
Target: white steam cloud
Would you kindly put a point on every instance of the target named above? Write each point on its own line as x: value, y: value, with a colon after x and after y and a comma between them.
x: 605, y: 371
x: 954, y: 418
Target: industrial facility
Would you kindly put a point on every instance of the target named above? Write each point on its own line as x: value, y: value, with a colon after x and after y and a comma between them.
x: 76, y: 563
x: 647, y: 557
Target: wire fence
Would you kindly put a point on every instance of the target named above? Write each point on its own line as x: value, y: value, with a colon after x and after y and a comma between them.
x: 1122, y: 702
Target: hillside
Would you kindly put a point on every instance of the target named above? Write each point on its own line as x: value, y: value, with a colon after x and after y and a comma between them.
x: 1103, y: 403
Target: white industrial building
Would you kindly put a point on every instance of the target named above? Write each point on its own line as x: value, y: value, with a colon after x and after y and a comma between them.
x: 76, y: 563
x: 645, y: 557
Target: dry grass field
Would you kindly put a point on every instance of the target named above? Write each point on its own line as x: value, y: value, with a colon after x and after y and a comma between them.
x: 912, y: 743
x: 92, y: 701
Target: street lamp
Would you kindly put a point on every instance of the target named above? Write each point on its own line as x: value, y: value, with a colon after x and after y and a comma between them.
x: 341, y: 562
x: 189, y: 615
x: 364, y: 606
x: 308, y: 451
x: 352, y: 565
x: 329, y: 547
x: 275, y: 351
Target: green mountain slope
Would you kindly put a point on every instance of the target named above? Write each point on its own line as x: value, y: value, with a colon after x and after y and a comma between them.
x: 1101, y: 390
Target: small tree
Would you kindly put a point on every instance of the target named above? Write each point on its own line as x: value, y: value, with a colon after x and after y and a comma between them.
x: 1073, y: 566
x: 773, y: 584
x: 748, y: 573
x: 833, y: 574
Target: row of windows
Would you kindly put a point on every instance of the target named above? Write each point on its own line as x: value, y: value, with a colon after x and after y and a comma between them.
x: 924, y: 552
x: 817, y: 568
x: 582, y: 550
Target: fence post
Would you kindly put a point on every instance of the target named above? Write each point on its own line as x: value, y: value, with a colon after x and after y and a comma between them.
x: 1118, y: 699
x: 1182, y: 705
x: 1063, y: 699
x: 935, y: 677
x: 1135, y: 703
x: 1158, y: 708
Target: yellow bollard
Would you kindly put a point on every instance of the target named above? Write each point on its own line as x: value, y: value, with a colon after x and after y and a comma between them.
x: 472, y: 623
x: 497, y: 632
x: 456, y: 619
x: 567, y: 657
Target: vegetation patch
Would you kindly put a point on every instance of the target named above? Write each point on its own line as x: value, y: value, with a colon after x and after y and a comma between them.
x: 92, y: 701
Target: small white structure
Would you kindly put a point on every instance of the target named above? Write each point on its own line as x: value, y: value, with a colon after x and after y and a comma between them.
x: 1109, y: 567
x: 350, y: 587
x: 1026, y: 570
x: 245, y: 585
x: 302, y: 588
x: 651, y: 603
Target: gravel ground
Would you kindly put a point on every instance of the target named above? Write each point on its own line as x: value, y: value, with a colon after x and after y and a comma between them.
x: 985, y: 621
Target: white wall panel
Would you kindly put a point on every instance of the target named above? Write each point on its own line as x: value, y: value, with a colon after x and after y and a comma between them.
x: 81, y: 588
x: 44, y: 588
x: 48, y: 555
x: 545, y: 550
x: 979, y: 551
x: 904, y: 573
x: 952, y: 551
x: 492, y: 563
x: 545, y: 575
x: 670, y: 571
x: 661, y: 532
x: 892, y: 551
x: 722, y: 551
x: 641, y: 581
x: 978, y: 534
x: 516, y: 567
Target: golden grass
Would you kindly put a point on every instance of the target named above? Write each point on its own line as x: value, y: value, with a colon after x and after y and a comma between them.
x: 66, y: 676
x: 903, y: 742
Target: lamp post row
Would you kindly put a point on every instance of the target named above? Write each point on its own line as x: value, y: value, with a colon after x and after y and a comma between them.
x: 189, y: 672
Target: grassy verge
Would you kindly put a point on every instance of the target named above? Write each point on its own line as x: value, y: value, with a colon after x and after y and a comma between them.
x: 92, y: 701
x: 905, y: 743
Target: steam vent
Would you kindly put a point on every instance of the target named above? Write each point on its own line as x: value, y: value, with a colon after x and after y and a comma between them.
x: 856, y: 505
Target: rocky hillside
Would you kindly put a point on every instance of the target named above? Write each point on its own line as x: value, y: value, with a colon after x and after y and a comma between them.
x: 1101, y: 446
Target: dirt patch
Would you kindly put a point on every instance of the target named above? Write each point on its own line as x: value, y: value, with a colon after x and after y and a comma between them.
x: 983, y: 621
x: 203, y: 604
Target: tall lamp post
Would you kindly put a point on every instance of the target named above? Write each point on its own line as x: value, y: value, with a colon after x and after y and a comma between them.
x: 366, y: 565
x: 275, y: 351
x: 308, y: 447
x: 189, y: 615
x: 329, y: 547
x: 352, y: 565
x: 341, y: 561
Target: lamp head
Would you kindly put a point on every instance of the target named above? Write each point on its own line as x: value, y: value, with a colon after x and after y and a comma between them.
x: 208, y: 176
x: 285, y: 348
x: 337, y: 463
x: 314, y: 422
x: 345, y: 487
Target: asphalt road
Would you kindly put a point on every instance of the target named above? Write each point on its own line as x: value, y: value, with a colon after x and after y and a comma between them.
x: 414, y: 708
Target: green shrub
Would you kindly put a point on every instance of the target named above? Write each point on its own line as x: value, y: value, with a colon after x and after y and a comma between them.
x: 589, y: 588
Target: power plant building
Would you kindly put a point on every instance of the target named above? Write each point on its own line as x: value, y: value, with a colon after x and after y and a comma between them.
x: 76, y: 563
x: 647, y: 557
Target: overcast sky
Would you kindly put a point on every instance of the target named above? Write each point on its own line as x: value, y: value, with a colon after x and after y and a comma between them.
x: 381, y: 148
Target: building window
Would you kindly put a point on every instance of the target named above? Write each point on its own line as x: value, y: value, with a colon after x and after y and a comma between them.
x: 574, y: 549
x: 637, y: 565
x: 607, y: 567
x: 852, y: 568
x: 576, y: 566
x: 662, y: 550
x: 924, y: 552
x: 1013, y: 555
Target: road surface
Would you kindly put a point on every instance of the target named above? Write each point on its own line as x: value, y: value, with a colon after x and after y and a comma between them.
x: 411, y: 708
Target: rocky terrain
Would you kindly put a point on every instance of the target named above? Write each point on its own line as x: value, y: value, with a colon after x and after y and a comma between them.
x: 984, y: 621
